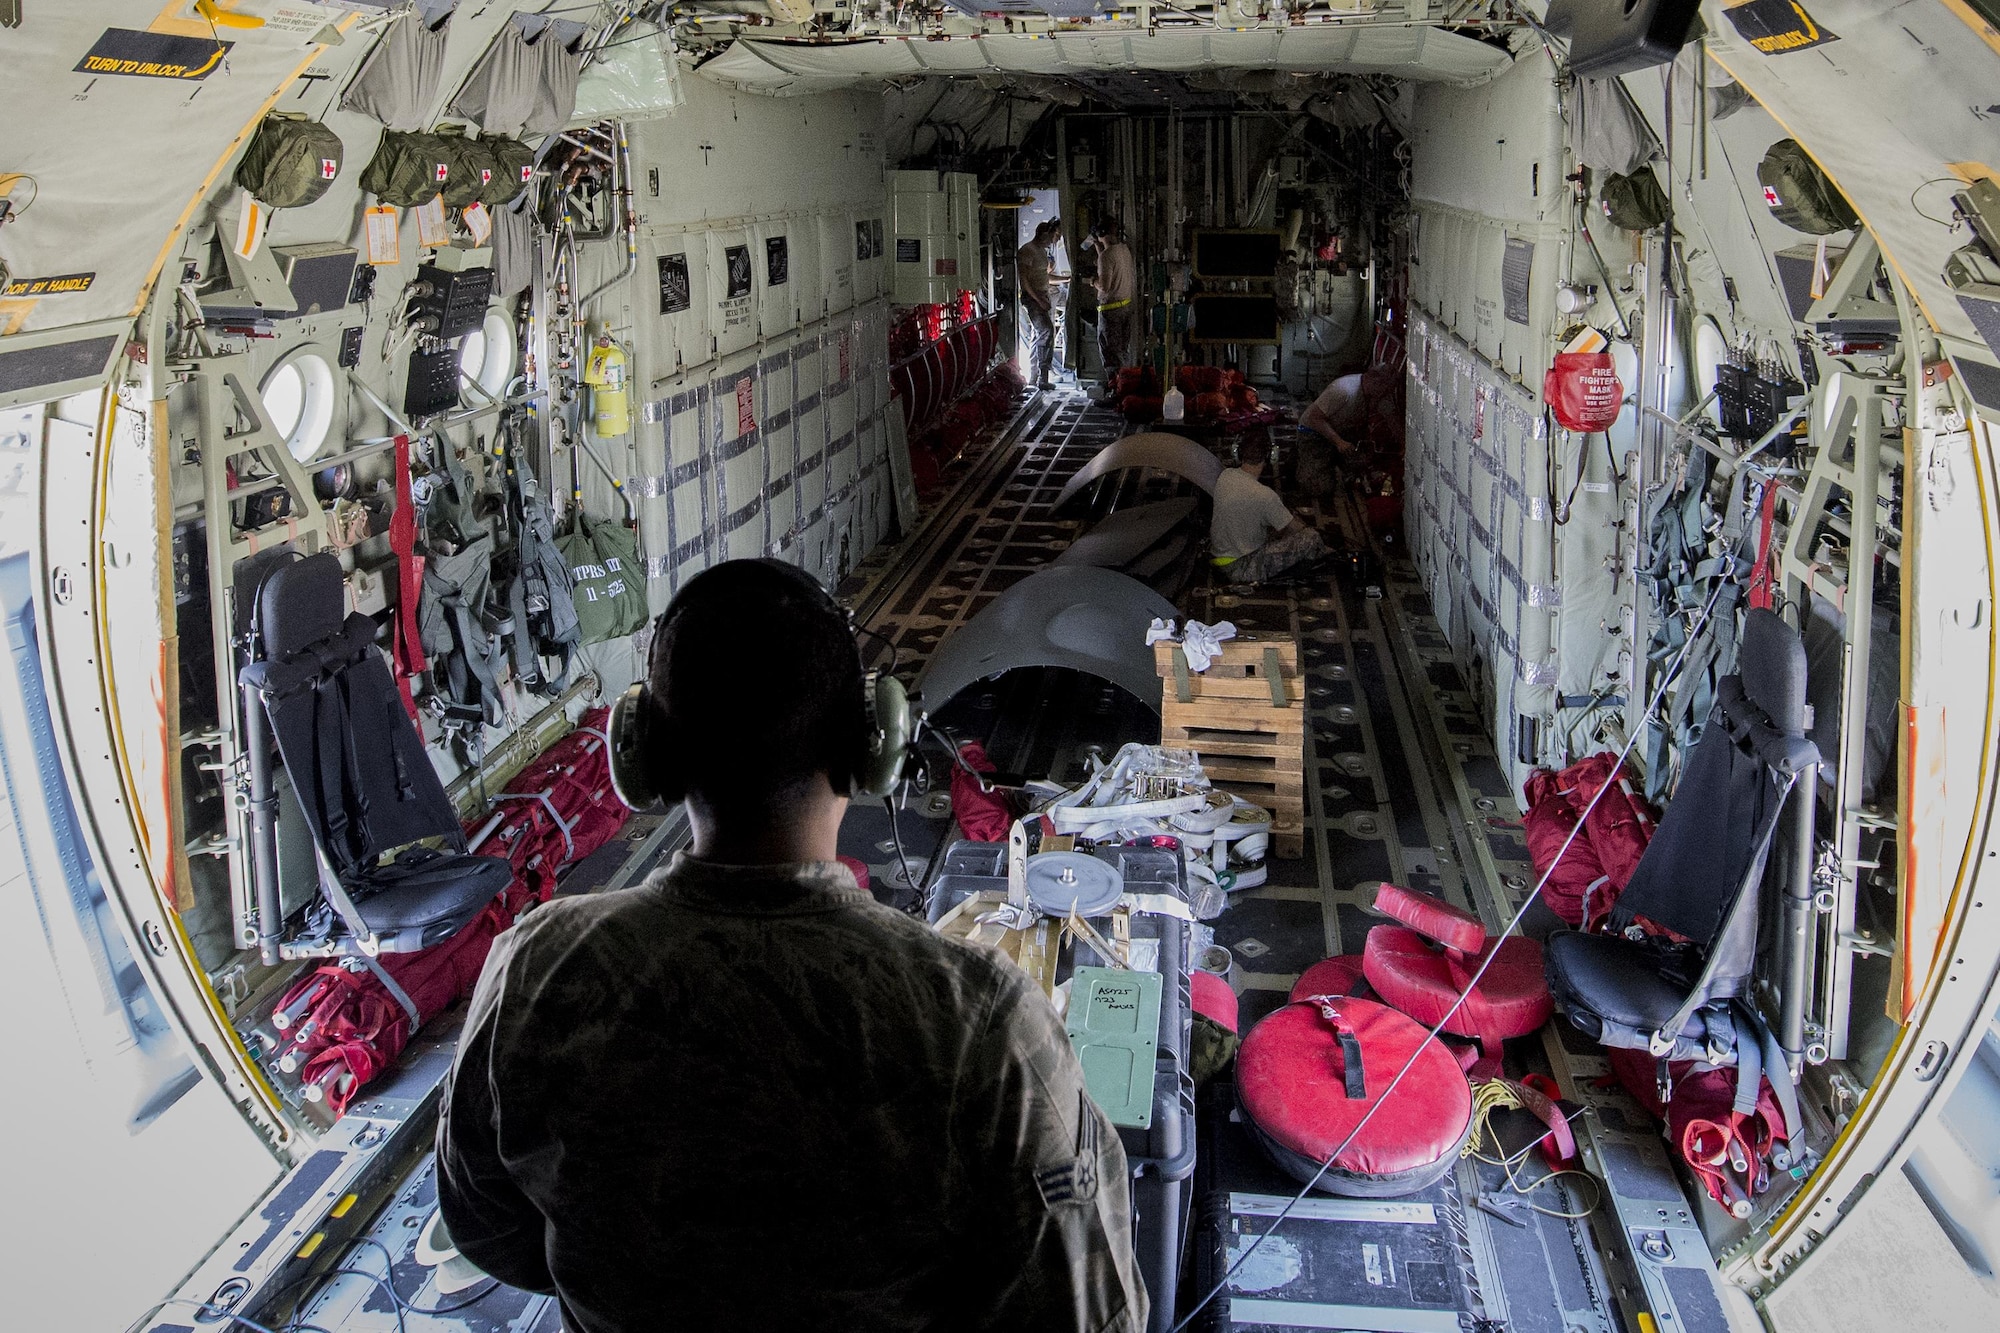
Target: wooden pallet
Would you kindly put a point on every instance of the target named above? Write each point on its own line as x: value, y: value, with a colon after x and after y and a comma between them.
x: 1245, y: 718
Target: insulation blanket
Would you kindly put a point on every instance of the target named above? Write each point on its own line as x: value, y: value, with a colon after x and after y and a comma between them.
x: 556, y: 811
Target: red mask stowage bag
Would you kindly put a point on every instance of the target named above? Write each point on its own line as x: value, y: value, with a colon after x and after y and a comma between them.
x: 1583, y: 390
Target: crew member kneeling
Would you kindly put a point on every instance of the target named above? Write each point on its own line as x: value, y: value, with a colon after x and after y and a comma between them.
x: 746, y: 1096
x: 1252, y: 536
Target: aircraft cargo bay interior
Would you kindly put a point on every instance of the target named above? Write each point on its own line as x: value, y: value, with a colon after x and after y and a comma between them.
x: 1000, y: 664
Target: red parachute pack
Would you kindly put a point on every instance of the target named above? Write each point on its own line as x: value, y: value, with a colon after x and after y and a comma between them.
x: 1599, y: 864
x: 344, y: 1028
x: 1733, y: 1154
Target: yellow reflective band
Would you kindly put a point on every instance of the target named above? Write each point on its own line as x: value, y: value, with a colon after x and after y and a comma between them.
x: 1114, y: 305
x: 1223, y: 561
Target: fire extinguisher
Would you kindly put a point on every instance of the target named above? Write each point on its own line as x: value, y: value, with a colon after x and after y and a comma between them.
x: 610, y: 403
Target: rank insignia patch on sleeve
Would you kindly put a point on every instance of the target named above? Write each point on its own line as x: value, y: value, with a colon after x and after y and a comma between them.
x: 1074, y: 1181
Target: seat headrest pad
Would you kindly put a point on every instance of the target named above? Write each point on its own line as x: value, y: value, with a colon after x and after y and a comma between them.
x: 1772, y: 663
x: 301, y: 603
x: 1433, y: 917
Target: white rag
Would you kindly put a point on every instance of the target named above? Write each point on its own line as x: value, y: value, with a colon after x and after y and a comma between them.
x: 1203, y: 643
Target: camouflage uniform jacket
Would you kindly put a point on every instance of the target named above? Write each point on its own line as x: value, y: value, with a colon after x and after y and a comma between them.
x: 752, y: 1098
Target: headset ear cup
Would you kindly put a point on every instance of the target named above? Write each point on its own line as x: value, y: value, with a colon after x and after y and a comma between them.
x: 627, y: 728
x: 890, y: 725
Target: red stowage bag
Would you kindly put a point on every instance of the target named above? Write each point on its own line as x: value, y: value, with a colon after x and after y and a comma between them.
x: 1600, y: 862
x: 1583, y: 390
x: 1309, y: 1073
x: 1339, y: 975
x: 1732, y: 1155
x: 983, y: 816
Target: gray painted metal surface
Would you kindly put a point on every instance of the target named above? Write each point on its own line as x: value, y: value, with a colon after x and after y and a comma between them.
x: 1168, y: 453
x: 1091, y: 620
x: 1128, y: 534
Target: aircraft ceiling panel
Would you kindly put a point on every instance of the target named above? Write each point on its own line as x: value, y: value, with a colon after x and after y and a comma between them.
x: 789, y: 70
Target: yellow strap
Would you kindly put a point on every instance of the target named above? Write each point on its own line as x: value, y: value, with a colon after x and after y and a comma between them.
x: 1114, y: 305
x: 1223, y: 561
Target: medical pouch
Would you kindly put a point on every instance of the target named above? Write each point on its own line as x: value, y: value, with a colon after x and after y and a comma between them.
x: 607, y: 582
x: 513, y: 167
x: 409, y: 169
x: 1583, y: 390
x: 1634, y: 202
x: 1800, y: 195
x: 290, y: 162
x: 472, y: 167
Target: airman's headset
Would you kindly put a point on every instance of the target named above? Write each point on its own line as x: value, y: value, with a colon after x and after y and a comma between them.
x: 642, y: 736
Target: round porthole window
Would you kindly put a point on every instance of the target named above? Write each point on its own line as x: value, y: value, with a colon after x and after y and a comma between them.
x: 298, y: 396
x: 486, y: 356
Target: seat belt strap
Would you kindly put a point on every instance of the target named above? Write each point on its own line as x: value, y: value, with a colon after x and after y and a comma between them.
x: 407, y: 641
x: 396, y: 992
x: 1760, y: 594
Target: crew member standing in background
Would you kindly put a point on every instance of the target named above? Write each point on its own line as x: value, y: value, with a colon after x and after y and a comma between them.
x: 1117, y: 284
x: 1032, y: 262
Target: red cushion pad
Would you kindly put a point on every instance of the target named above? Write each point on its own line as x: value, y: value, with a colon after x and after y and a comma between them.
x: 1213, y: 999
x: 1433, y: 916
x: 1290, y: 1078
x: 1420, y: 979
x: 1329, y: 976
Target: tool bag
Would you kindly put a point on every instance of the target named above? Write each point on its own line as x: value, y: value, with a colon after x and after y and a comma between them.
x: 290, y: 162
x: 408, y: 170
x: 1634, y: 201
x: 1800, y: 195
x: 606, y: 582
x: 1583, y: 390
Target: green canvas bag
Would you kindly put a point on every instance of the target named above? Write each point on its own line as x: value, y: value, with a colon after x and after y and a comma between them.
x: 408, y: 170
x: 513, y: 168
x: 472, y: 167
x: 1800, y: 195
x: 1634, y: 202
x: 290, y: 162
x: 607, y: 578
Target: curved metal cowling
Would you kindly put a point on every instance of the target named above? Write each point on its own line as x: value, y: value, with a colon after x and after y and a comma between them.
x: 1088, y: 619
x: 1171, y: 453
x: 1128, y: 534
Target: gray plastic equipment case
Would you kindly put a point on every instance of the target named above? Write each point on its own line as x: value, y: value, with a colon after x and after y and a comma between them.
x: 1162, y: 1156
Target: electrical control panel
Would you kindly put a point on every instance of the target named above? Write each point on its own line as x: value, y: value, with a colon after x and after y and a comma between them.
x: 456, y: 301
x: 1750, y: 402
x: 433, y: 383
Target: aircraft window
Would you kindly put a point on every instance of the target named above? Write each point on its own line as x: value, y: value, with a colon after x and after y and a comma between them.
x: 298, y: 395
x: 1711, y: 352
x: 487, y: 354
